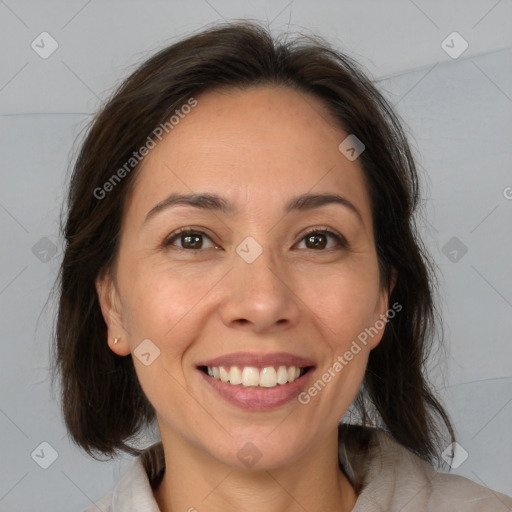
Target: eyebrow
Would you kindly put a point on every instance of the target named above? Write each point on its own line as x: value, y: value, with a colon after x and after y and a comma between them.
x: 213, y: 202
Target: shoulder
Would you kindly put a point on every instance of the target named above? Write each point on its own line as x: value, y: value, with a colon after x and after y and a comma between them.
x: 452, y: 491
x: 134, y: 491
x: 105, y: 504
x: 387, y: 476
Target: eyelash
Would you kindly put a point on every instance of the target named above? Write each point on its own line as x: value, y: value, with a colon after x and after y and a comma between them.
x: 341, y: 240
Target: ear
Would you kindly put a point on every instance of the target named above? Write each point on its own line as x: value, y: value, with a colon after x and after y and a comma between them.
x: 382, y: 311
x: 392, y: 281
x: 111, y: 310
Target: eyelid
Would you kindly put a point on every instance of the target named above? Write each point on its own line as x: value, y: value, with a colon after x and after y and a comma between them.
x: 342, y: 241
x: 169, y: 240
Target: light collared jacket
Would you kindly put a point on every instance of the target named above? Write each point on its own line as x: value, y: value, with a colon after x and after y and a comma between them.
x: 387, y: 478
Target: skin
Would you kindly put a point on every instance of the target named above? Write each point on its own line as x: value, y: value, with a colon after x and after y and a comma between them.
x: 258, y: 148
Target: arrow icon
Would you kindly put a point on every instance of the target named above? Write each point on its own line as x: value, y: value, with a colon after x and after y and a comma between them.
x: 44, y: 455
x: 44, y: 249
x: 147, y: 352
x: 44, y: 45
x: 249, y: 253
x: 351, y: 147
x: 249, y: 454
x: 454, y: 45
x: 454, y: 249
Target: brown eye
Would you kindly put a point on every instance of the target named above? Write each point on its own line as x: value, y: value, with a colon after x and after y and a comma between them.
x: 189, y: 240
x: 316, y: 241
x: 319, y: 239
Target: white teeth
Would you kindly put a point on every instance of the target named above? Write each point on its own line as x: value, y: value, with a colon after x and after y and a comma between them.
x: 247, y: 376
x: 224, y: 375
x: 268, y: 377
x: 235, y: 375
x: 282, y: 375
x: 250, y: 376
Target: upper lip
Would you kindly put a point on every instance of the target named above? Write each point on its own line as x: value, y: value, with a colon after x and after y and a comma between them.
x: 258, y: 360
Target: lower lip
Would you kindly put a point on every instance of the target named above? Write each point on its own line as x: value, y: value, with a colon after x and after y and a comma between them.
x: 256, y: 398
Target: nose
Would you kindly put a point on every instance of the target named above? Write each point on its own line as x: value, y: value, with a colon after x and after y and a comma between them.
x: 259, y: 296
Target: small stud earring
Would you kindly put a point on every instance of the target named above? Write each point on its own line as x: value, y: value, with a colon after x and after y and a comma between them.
x: 116, y: 340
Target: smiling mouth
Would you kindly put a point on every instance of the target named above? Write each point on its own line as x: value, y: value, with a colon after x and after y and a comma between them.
x: 252, y: 377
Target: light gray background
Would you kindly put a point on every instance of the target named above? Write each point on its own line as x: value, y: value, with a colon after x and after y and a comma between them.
x: 458, y: 113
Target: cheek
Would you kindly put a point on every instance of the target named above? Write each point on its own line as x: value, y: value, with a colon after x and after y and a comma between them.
x: 160, y: 300
x: 343, y: 301
x: 165, y: 308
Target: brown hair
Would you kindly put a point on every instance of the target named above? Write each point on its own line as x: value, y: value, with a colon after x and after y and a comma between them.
x: 103, y: 404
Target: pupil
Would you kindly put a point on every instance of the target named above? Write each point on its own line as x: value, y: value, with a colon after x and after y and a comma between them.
x: 188, y: 240
x: 318, y: 241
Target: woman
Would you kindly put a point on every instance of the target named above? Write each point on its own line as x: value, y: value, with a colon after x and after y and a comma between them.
x: 241, y: 267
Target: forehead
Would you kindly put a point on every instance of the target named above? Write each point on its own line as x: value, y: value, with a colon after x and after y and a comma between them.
x: 255, y: 146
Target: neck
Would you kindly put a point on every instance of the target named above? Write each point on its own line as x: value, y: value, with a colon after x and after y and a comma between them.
x: 194, y: 481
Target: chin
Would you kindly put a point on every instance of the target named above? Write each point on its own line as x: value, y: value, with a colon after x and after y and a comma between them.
x: 254, y: 449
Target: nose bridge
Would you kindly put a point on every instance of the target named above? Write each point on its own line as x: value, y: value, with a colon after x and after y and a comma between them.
x: 257, y: 269
x: 258, y: 292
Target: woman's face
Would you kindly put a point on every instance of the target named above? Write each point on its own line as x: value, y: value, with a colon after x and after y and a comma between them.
x: 258, y: 285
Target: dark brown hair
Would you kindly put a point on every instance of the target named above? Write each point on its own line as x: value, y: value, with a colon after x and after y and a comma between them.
x: 103, y: 404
